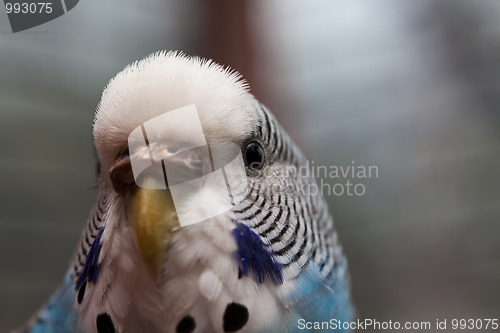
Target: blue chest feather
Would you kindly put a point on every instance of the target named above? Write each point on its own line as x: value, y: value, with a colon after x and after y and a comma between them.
x: 253, y: 258
x: 315, y: 305
x: 91, y: 269
x: 59, y: 315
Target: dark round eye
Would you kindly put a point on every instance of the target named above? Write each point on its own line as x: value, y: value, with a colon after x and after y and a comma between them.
x: 253, y: 154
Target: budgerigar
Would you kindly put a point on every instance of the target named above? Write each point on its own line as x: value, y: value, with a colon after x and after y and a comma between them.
x: 270, y: 263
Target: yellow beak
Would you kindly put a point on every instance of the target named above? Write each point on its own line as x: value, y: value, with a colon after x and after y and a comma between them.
x: 153, y: 219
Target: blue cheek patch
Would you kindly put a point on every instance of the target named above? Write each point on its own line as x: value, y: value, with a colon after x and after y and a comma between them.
x: 253, y: 258
x: 91, y: 270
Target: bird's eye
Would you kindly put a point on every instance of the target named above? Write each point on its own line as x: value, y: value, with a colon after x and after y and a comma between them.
x: 254, y: 156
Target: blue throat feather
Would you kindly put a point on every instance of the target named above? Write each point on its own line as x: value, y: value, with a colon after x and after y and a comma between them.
x: 91, y: 270
x: 252, y: 256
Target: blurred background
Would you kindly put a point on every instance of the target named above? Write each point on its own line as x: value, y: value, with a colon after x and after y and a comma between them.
x: 410, y: 87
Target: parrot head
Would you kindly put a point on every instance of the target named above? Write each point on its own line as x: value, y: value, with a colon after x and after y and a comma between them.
x: 200, y: 224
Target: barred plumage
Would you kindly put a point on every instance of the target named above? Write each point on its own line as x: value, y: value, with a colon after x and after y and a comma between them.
x: 94, y: 222
x: 290, y: 228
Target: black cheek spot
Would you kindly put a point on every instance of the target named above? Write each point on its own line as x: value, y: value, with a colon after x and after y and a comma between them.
x: 105, y: 324
x: 186, y: 325
x: 81, y: 292
x: 235, y: 317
